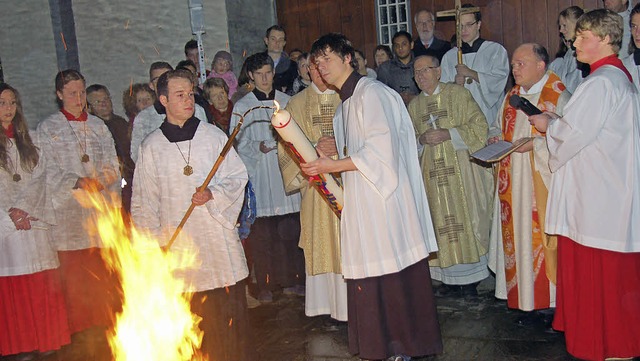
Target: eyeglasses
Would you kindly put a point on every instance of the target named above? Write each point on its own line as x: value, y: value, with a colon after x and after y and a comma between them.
x: 424, y: 71
x: 468, y: 26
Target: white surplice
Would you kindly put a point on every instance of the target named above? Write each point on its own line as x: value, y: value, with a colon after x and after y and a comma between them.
x: 594, y: 195
x: 162, y: 194
x: 626, y: 31
x: 149, y: 120
x: 567, y: 69
x: 264, y: 171
x: 25, y: 251
x: 633, y: 69
x: 491, y: 62
x: 386, y: 225
x: 64, y: 142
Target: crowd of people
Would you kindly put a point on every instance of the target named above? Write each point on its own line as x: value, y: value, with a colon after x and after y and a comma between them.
x: 556, y: 221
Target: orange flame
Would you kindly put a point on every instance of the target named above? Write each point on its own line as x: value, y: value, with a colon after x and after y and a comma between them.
x: 156, y: 322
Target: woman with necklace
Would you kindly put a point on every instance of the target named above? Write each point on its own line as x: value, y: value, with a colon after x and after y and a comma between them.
x: 32, y: 308
x: 82, y: 160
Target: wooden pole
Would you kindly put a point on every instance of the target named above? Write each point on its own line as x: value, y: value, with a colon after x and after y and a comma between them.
x: 212, y: 172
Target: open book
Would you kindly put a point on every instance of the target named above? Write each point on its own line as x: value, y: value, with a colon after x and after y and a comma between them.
x: 497, y: 151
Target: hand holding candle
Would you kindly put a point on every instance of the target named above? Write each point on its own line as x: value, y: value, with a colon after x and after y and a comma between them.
x: 305, y: 152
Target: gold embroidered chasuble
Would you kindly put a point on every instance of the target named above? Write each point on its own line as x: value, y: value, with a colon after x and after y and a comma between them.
x: 459, y: 191
x: 320, y: 227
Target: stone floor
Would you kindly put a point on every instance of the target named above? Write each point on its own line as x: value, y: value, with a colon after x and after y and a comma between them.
x: 473, y: 329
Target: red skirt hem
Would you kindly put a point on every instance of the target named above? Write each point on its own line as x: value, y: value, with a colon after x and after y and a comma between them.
x: 33, y: 316
x: 598, y: 301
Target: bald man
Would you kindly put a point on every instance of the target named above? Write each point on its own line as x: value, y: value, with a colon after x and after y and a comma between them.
x: 524, y: 256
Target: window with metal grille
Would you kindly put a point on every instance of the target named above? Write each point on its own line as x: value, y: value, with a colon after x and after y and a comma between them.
x: 392, y: 16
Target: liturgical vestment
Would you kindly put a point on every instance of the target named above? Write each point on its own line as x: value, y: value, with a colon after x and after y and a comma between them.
x: 523, y: 256
x: 326, y: 290
x: 162, y: 193
x: 459, y: 191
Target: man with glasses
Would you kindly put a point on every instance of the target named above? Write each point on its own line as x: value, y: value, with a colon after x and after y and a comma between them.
x: 484, y: 70
x: 449, y: 125
x: 100, y: 105
x: 524, y: 260
x: 313, y: 109
x: 427, y: 43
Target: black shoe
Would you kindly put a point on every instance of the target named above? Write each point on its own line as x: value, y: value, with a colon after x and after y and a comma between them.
x: 469, y: 290
x: 547, y: 319
x: 546, y: 315
x: 528, y: 320
x: 448, y: 291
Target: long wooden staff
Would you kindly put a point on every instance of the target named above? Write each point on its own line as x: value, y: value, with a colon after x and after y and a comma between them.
x: 458, y: 12
x: 213, y: 171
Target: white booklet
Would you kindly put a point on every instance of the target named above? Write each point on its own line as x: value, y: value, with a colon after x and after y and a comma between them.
x: 497, y: 151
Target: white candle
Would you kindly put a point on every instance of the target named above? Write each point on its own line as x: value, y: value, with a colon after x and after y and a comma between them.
x: 294, y: 138
x: 290, y: 132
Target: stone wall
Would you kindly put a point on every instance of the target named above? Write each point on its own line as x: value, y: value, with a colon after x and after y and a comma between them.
x: 248, y: 20
x: 29, y: 55
x: 118, y: 40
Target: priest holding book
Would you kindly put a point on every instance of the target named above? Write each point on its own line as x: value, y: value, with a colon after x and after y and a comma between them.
x: 522, y: 255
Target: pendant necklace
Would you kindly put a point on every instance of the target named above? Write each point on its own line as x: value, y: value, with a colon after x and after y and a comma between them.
x: 16, y: 177
x: 85, y: 157
x: 187, y: 170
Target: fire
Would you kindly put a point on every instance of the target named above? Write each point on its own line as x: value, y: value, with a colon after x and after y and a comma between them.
x: 156, y: 322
